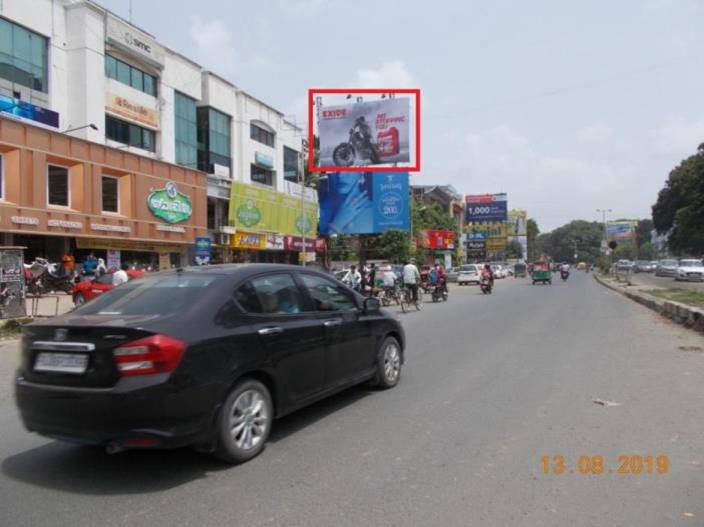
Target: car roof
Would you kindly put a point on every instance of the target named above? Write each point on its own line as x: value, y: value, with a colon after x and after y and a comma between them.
x: 241, y: 271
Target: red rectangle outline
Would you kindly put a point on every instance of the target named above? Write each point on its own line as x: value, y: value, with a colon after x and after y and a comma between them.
x: 311, y: 99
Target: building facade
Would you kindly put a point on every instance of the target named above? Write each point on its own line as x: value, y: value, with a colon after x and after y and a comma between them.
x: 73, y: 67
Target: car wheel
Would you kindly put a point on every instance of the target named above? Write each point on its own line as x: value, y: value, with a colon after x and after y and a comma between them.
x: 388, y: 364
x: 244, y: 422
x: 79, y: 300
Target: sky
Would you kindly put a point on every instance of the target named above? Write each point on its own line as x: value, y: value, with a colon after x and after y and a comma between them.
x: 566, y: 106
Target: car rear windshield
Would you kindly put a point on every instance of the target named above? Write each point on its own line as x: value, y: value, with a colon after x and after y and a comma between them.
x: 669, y: 262
x: 468, y: 268
x: 152, y: 295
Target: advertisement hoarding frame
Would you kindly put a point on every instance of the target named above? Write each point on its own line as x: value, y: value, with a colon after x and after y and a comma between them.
x: 312, y: 92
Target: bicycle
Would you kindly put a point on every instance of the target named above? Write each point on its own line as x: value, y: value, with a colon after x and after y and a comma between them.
x: 387, y: 295
x: 407, y: 300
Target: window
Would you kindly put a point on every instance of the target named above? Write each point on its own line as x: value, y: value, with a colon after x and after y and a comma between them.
x: 327, y: 295
x: 213, y: 139
x: 129, y: 134
x: 110, y: 194
x: 262, y: 175
x: 126, y: 74
x: 23, y: 56
x: 271, y: 294
x: 291, y: 167
x: 57, y: 183
x: 186, y: 130
x: 263, y: 136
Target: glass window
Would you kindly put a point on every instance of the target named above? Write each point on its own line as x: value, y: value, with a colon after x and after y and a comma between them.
x: 129, y: 134
x: 110, y: 194
x: 327, y: 295
x: 137, y: 79
x: 270, y: 294
x: 291, y: 171
x: 262, y: 175
x: 213, y: 139
x: 23, y: 56
x: 58, y: 185
x: 150, y: 84
x: 263, y: 136
x: 110, y: 67
x: 186, y: 130
x: 148, y: 140
x: 123, y: 73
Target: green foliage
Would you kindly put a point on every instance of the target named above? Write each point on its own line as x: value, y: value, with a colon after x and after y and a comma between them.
x: 532, y: 232
x: 514, y: 249
x: 625, y: 252
x: 679, y: 209
x: 560, y: 243
x: 647, y: 251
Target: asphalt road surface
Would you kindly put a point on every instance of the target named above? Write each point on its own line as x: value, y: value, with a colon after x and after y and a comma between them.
x: 491, y: 384
x: 667, y: 282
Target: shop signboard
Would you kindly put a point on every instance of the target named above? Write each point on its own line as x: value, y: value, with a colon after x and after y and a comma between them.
x: 125, y: 245
x: 133, y: 41
x: 485, y: 207
x: 438, y: 239
x: 25, y: 111
x: 349, y: 132
x: 274, y: 242
x: 113, y: 260
x: 263, y: 210
x: 295, y: 244
x: 169, y: 204
x: 476, y: 249
x: 123, y: 107
x: 164, y: 261
x: 202, y: 252
x: 363, y: 203
x: 263, y: 160
x: 248, y: 240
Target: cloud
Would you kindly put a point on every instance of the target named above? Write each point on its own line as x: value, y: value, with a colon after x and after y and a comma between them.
x: 679, y: 137
x: 214, y: 43
x: 595, y: 133
x: 392, y: 74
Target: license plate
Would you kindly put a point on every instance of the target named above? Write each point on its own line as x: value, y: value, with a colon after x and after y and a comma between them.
x: 61, y: 362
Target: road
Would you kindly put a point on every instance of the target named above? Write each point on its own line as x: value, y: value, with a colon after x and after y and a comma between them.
x: 491, y: 384
x: 667, y: 282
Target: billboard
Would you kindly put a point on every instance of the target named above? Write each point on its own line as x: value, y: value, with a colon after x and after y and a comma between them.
x: 28, y: 112
x: 265, y: 210
x: 476, y: 249
x: 518, y: 220
x: 363, y: 202
x: 621, y: 230
x: 439, y: 239
x: 365, y: 133
x: 485, y: 207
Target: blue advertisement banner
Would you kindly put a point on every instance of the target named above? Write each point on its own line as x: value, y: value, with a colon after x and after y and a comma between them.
x: 31, y: 112
x: 202, y: 249
x: 363, y: 202
x: 486, y: 207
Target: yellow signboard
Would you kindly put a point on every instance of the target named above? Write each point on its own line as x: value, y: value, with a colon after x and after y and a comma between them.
x: 131, y: 110
x: 265, y: 210
x: 248, y: 240
x: 125, y: 245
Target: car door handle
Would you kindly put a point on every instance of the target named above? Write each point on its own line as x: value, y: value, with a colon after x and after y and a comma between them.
x: 332, y: 323
x: 270, y: 331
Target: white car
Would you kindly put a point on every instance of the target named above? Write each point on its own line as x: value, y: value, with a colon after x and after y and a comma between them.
x: 468, y: 274
x: 689, y: 270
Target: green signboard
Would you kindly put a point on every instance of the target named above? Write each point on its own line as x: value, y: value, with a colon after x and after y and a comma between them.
x: 169, y: 204
x: 266, y: 210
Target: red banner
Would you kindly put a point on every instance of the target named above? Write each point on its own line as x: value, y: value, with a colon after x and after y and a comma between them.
x: 295, y: 243
x: 437, y: 239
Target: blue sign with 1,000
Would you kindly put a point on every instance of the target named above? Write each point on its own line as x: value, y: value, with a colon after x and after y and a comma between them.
x: 363, y: 202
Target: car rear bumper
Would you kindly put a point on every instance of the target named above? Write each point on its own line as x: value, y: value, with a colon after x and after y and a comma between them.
x: 137, y: 411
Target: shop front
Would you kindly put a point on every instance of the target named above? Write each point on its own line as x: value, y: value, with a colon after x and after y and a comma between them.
x: 65, y: 195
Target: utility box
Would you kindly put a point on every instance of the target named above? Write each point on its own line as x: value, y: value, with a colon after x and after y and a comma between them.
x: 12, y: 300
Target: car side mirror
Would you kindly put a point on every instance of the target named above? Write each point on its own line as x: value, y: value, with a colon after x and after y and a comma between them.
x: 371, y: 306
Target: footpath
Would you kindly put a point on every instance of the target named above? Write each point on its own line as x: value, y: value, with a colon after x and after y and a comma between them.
x: 681, y: 306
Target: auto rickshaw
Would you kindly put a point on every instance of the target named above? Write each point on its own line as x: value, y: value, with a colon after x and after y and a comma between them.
x: 519, y: 270
x: 541, y: 273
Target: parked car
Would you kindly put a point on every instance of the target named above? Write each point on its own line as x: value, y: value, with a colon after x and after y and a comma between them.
x: 468, y: 274
x: 624, y: 265
x: 690, y: 270
x: 87, y: 290
x: 666, y: 267
x: 451, y: 274
x: 643, y: 266
x: 203, y: 356
x: 498, y: 271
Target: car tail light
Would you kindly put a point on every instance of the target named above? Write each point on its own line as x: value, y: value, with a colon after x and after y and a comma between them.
x: 155, y: 354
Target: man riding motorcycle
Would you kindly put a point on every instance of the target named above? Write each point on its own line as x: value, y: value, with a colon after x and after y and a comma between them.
x: 363, y: 132
x: 486, y: 279
x: 564, y: 271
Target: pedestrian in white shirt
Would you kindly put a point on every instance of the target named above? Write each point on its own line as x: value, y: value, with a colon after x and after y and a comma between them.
x: 120, y: 277
x: 411, y: 277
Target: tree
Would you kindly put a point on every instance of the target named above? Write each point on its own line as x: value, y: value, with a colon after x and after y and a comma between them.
x: 514, y: 249
x: 393, y: 246
x: 679, y: 209
x: 578, y: 236
x: 643, y: 230
x: 647, y: 251
x: 532, y: 232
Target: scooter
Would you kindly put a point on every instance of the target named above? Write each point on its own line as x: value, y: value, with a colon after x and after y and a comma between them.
x: 439, y: 292
x: 485, y: 286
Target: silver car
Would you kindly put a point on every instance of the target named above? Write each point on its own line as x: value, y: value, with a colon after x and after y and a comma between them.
x: 690, y: 270
x: 666, y: 268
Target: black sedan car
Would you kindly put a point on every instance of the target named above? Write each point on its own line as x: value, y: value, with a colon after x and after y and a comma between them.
x: 204, y: 356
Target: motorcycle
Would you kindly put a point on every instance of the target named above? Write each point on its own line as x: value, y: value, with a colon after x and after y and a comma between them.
x: 439, y: 292
x: 485, y: 286
x: 345, y: 154
x: 48, y: 275
x: 564, y: 275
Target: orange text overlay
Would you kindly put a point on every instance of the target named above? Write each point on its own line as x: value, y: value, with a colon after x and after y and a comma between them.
x: 597, y: 465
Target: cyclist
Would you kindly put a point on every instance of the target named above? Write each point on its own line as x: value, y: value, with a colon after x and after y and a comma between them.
x: 411, y: 278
